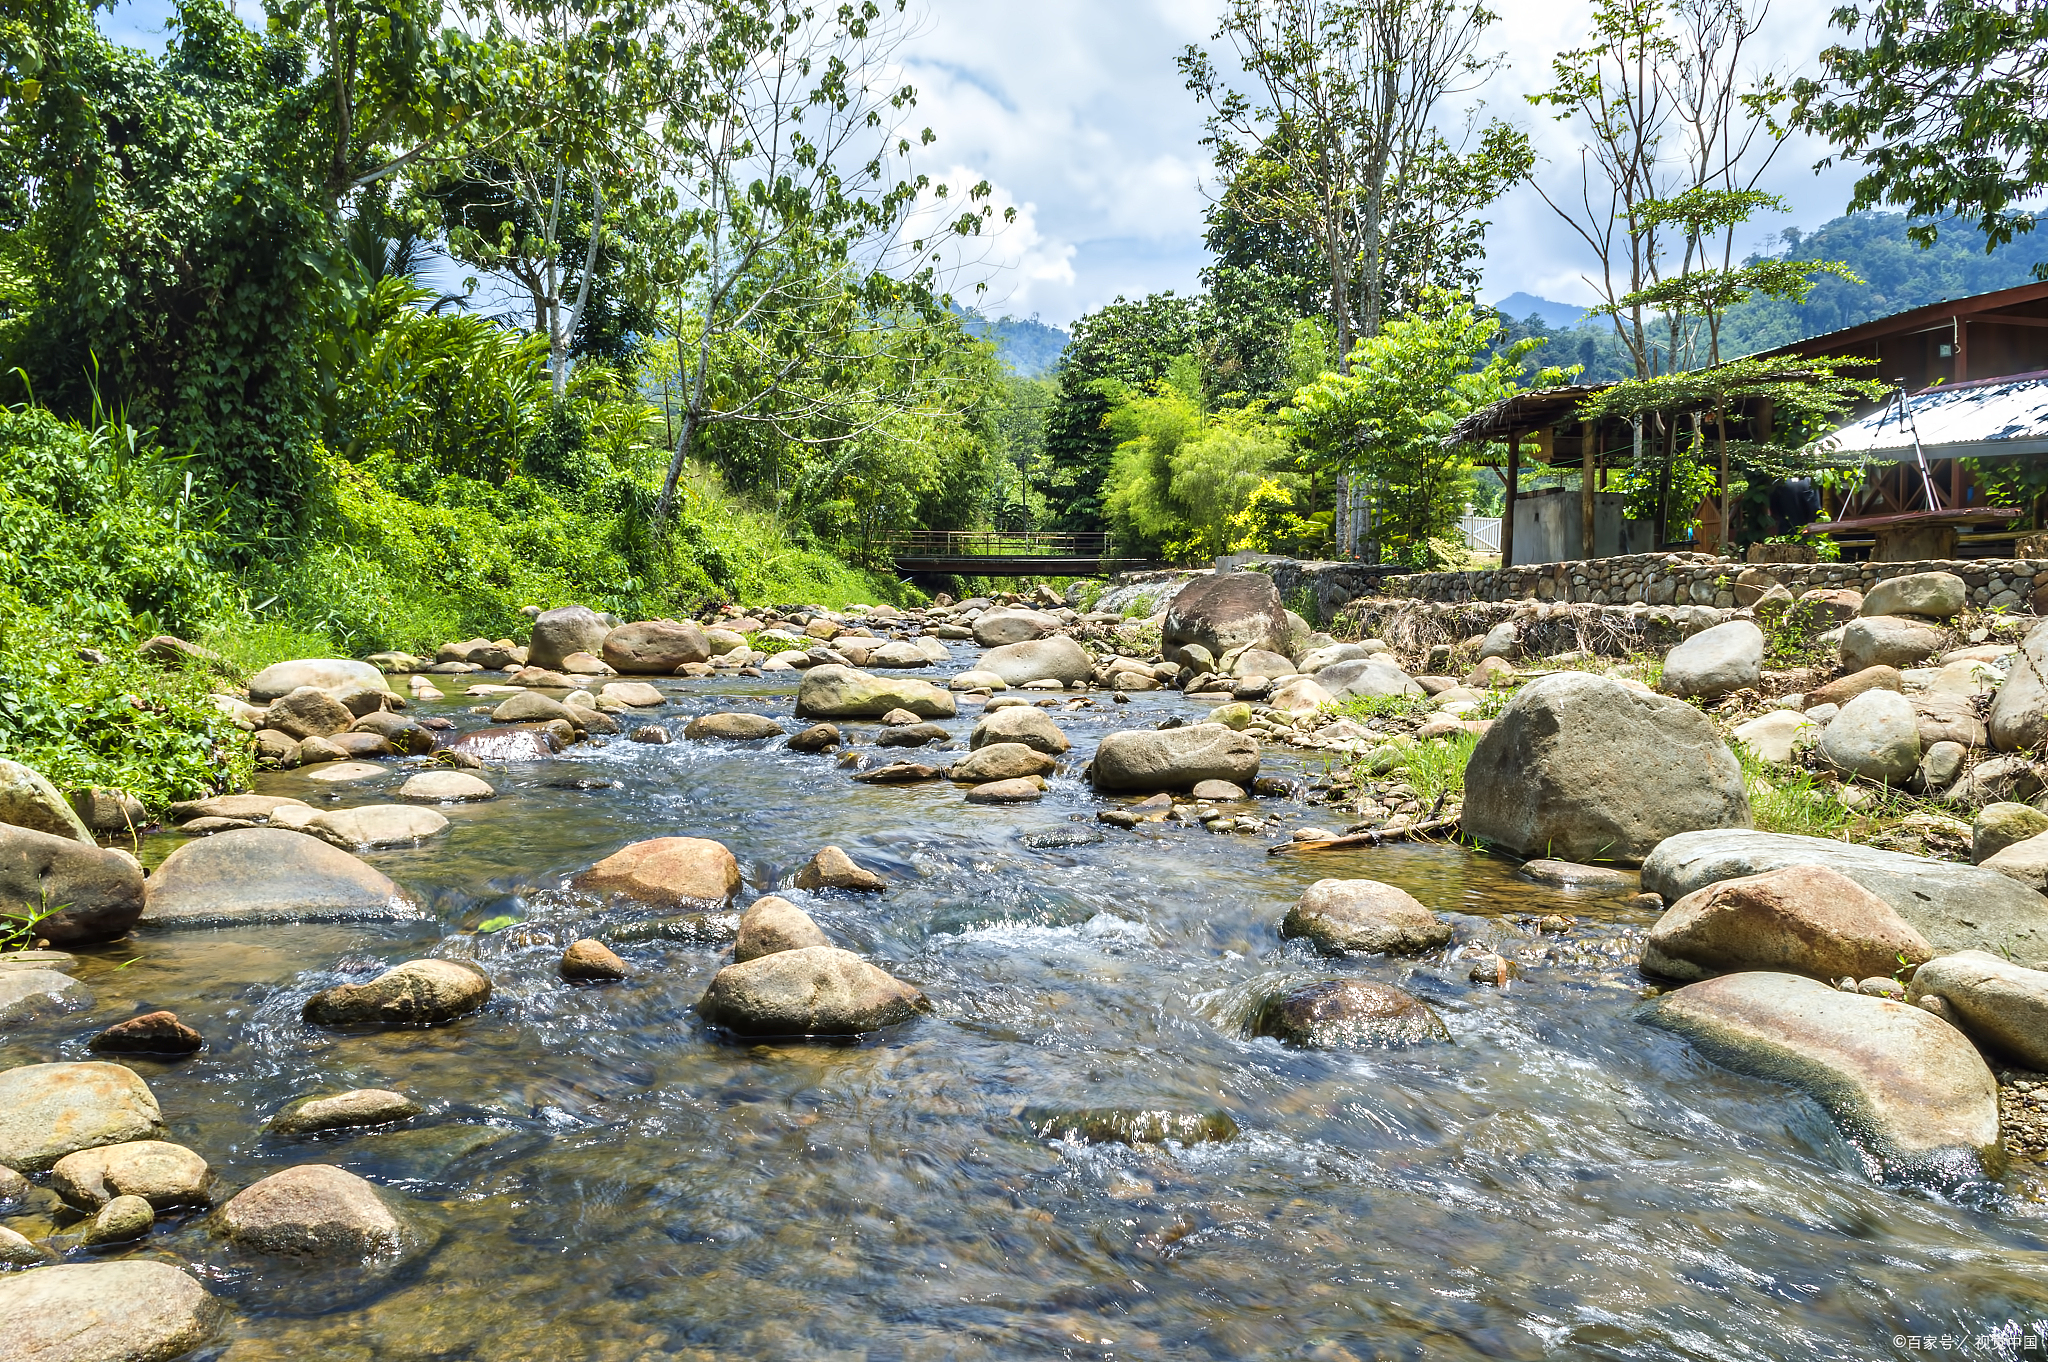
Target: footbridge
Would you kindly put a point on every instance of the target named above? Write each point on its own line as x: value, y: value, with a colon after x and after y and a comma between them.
x: 993, y: 553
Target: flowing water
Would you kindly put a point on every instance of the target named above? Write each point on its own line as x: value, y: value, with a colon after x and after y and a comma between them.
x: 609, y: 1180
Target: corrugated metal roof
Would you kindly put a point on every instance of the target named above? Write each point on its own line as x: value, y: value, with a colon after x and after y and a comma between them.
x: 1985, y: 419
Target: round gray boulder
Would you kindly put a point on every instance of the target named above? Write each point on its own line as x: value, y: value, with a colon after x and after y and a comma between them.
x: 830, y: 691
x: 996, y: 628
x: 1932, y: 595
x: 558, y: 633
x: 1174, y: 758
x: 1333, y: 1013
x: 267, y: 875
x: 335, y: 675
x: 1887, y: 640
x: 1876, y: 735
x: 1364, y: 917
x: 317, y: 1211
x: 810, y: 991
x: 161, y: 1173
x: 134, y: 1310
x: 654, y: 647
x: 1225, y: 611
x: 1025, y: 724
x: 1715, y: 662
x: 1367, y: 680
x: 1057, y: 658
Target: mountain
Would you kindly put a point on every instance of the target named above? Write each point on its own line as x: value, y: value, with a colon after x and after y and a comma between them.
x: 1030, y: 347
x: 1522, y: 306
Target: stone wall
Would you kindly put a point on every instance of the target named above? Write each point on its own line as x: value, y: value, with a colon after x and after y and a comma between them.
x: 1702, y: 579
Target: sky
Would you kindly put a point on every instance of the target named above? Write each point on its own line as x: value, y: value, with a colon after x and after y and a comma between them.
x: 1076, y: 114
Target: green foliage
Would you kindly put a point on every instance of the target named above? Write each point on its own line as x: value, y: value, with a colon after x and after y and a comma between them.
x: 1364, y: 707
x: 1436, y: 768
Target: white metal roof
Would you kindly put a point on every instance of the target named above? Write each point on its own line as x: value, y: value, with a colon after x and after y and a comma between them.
x: 1984, y: 419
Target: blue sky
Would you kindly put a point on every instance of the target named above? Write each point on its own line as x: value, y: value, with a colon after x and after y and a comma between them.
x: 1074, y: 110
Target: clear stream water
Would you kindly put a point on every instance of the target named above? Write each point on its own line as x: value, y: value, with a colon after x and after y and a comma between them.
x: 608, y: 1180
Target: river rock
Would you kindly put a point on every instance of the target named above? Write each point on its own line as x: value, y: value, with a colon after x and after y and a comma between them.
x: 811, y: 991
x: 2000, y: 1005
x: 18, y: 1250
x: 1260, y: 662
x: 152, y: 1033
x: 253, y: 807
x: 50, y: 1110
x: 736, y: 726
x: 898, y: 655
x: 1931, y: 595
x: 1582, y: 767
x: 1889, y: 640
x: 308, y: 712
x: 342, y: 772
x: 530, y: 707
x: 497, y: 745
x: 666, y: 871
x: 912, y: 735
x: 1364, y: 917
x: 105, y: 810
x: 655, y: 647
x: 416, y: 993
x: 267, y: 875
x: 334, y: 675
x: 343, y: 1111
x: 653, y: 734
x: 559, y: 633
x: 1714, y: 662
x: 1955, y: 907
x: 30, y: 992
x: 1332, y: 1013
x: 29, y: 801
x: 317, y: 1211
x: 2024, y: 862
x: 371, y: 826
x: 2019, y: 715
x: 898, y: 773
x: 1174, y: 759
x: 1218, y: 791
x: 1057, y: 658
x: 360, y: 746
x: 591, y: 961
x: 97, y: 894
x: 1026, y: 724
x: 123, y: 1220
x: 1940, y: 764
x: 1803, y: 919
x: 832, y: 868
x: 1999, y: 826
x: 977, y: 679
x: 1946, y: 718
x: 773, y: 924
x: 1366, y: 680
x: 1604, y: 879
x: 997, y: 628
x: 1020, y: 790
x: 132, y: 1310
x: 834, y: 692
x: 1001, y: 761
x: 2001, y: 779
x: 161, y: 1173
x: 1905, y: 1087
x: 1223, y: 612
x: 1775, y: 736
x: 1876, y: 735
x: 816, y: 738
x: 1299, y: 695
x: 446, y: 787
x: 1126, y: 1125
x: 631, y: 694
x: 1846, y: 688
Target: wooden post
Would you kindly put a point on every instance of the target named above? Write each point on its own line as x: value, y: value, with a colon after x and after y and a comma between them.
x: 1588, y: 440
x: 1507, y: 509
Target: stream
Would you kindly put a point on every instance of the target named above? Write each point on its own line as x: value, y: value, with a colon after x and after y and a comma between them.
x: 611, y: 1181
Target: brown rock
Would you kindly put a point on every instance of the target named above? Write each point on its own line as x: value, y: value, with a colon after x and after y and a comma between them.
x: 1493, y: 671
x: 153, y: 1033
x: 1364, y: 917
x: 652, y: 733
x: 98, y: 894
x: 344, y: 1111
x: 1844, y: 689
x: 666, y: 870
x: 1348, y: 1012
x: 591, y: 960
x: 774, y: 924
x: 1803, y: 919
x: 832, y: 868
x: 416, y: 993
x: 815, y: 991
x: 1001, y: 761
x: 1022, y: 790
x: 898, y: 773
x: 816, y: 738
x: 161, y: 1173
x: 308, y: 712
x: 655, y: 647
x: 315, y: 1211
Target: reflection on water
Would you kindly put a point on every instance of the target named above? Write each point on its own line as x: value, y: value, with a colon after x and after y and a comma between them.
x: 609, y: 1181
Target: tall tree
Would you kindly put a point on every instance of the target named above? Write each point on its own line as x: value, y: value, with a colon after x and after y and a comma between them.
x: 1944, y: 105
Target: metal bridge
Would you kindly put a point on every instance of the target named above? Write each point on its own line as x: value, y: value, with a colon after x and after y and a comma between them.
x: 993, y: 553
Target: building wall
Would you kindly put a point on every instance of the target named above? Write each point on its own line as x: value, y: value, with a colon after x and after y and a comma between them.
x: 1550, y: 524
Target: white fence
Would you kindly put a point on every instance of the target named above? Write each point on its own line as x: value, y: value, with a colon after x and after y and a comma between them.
x: 1482, y: 533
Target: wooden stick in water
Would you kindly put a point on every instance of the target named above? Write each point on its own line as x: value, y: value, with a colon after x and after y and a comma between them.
x: 1368, y: 839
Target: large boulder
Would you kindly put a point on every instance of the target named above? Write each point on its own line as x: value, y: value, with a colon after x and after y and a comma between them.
x: 97, y: 894
x: 371, y: 826
x: 1226, y: 611
x: 1025, y: 724
x: 2019, y: 716
x: 834, y: 692
x: 1888, y: 640
x: 1364, y: 917
x: 1902, y: 1085
x: 161, y: 1173
x: 267, y: 875
x: 1876, y: 735
x: 335, y: 675
x: 50, y: 1110
x: 561, y: 632
x: 308, y: 712
x: 1803, y: 919
x: 666, y: 871
x: 27, y: 800
x: 1584, y: 768
x: 810, y: 991
x: 1932, y: 595
x: 1366, y: 680
x: 1714, y: 662
x: 133, y: 1310
x: 1174, y: 758
x: 1955, y: 907
x: 317, y: 1211
x: 655, y: 647
x: 996, y: 628
x: 1057, y: 658
x: 1347, y: 1012
x: 2002, y: 1006
x: 416, y: 993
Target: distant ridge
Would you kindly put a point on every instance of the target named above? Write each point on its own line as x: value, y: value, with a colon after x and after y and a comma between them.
x: 1029, y: 346
x: 1558, y: 316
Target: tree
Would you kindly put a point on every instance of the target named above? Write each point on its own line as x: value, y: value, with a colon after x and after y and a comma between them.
x: 1943, y: 106
x: 788, y: 243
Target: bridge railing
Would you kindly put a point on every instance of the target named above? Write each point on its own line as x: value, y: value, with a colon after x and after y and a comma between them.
x: 995, y: 544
